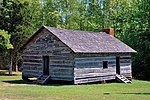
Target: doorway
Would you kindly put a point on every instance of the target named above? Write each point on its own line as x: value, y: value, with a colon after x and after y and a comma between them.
x: 45, y: 65
x: 118, y: 65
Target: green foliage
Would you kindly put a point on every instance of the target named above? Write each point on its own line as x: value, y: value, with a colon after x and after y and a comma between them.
x: 131, y: 20
x: 5, y: 40
x: 141, y: 60
x: 20, y: 19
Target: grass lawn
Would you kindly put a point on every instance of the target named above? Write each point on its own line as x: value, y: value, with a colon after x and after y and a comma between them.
x: 13, y: 88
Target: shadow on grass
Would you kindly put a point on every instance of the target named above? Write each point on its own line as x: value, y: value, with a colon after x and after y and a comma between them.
x: 136, y: 93
x: 55, y: 83
x: 129, y: 93
x: 106, y: 93
x: 52, y: 83
x: 8, y: 75
x: 18, y: 82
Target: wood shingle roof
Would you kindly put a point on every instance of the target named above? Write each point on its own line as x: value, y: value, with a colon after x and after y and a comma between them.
x: 89, y: 42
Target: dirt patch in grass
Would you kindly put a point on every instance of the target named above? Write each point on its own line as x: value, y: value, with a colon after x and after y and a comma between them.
x: 18, y: 83
x: 7, y: 73
x: 8, y: 84
x: 4, y: 99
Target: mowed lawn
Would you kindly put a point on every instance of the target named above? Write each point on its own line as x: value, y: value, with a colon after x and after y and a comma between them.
x: 13, y: 88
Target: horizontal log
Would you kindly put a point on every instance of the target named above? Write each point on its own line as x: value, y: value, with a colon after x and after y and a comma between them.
x: 125, y: 57
x: 126, y: 68
x: 33, y: 60
x: 31, y: 71
x: 57, y: 68
x: 31, y: 52
x: 108, y: 58
x: 61, y: 60
x: 125, y: 65
x: 48, y: 49
x: 38, y: 67
x: 94, y: 79
x: 32, y: 68
x: 62, y: 54
x: 89, y: 75
x: 61, y: 76
x: 59, y: 57
x: 125, y: 60
x: 62, y: 73
x: 61, y: 66
x: 61, y: 70
x: 31, y: 75
x: 92, y: 66
x: 50, y: 55
x: 126, y: 72
x: 29, y: 68
x: 32, y: 57
x: 62, y: 79
x: 88, y: 64
x: 93, y: 70
x: 31, y: 64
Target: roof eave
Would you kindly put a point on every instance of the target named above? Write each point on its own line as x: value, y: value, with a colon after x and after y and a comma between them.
x: 105, y: 52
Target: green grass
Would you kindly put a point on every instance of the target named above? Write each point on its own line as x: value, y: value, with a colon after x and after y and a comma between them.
x: 13, y: 88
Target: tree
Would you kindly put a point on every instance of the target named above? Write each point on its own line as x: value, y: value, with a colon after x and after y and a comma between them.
x: 5, y: 45
x: 19, y: 19
x: 141, y: 59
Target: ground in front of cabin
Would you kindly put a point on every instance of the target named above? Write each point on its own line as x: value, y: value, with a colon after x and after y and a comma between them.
x: 13, y: 88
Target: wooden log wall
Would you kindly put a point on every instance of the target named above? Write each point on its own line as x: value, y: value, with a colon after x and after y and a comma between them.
x: 60, y: 57
x: 125, y: 66
x: 32, y: 65
x: 90, y: 69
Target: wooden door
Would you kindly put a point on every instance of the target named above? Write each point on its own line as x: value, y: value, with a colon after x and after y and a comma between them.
x: 118, y: 65
x: 45, y: 65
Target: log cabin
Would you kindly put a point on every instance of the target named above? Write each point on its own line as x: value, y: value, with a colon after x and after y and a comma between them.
x: 75, y: 56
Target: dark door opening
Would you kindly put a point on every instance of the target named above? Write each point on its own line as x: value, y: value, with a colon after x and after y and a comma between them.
x: 45, y: 65
x: 118, y: 65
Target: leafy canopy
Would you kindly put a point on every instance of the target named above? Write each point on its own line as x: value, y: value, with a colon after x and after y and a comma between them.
x: 5, y: 40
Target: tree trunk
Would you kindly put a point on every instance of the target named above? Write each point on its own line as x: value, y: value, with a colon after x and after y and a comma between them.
x: 10, y: 65
x: 1, y: 61
x: 16, y: 67
x: 1, y: 65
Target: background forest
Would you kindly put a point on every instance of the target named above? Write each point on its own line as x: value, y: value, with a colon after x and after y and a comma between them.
x: 19, y: 19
